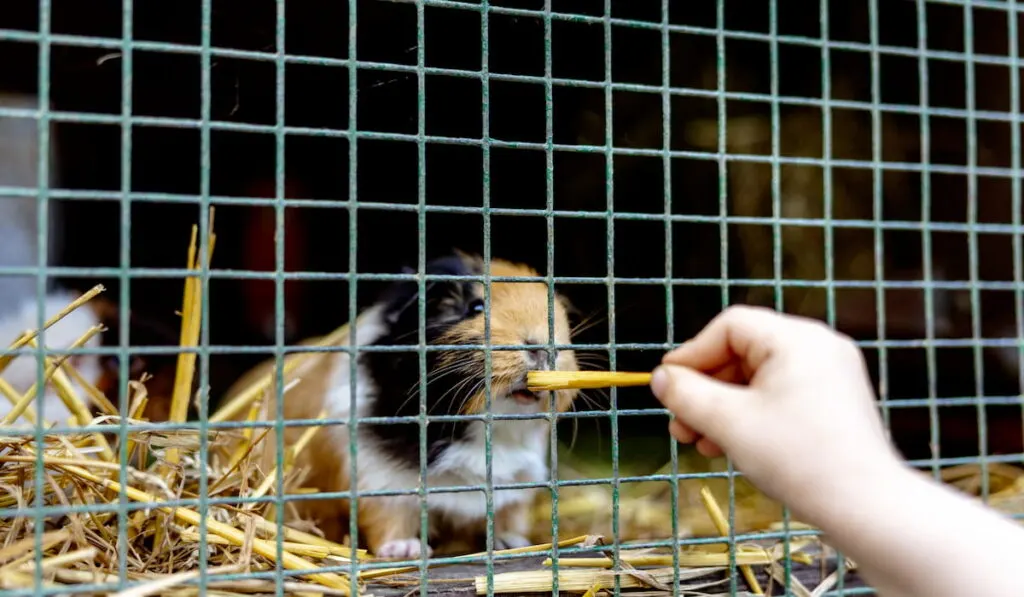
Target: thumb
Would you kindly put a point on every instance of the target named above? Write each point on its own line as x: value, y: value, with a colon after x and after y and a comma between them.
x: 710, y: 407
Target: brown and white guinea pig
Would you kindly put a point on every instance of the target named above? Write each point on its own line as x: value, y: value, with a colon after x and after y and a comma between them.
x: 388, y: 385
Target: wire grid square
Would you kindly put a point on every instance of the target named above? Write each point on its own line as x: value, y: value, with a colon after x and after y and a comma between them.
x: 660, y: 89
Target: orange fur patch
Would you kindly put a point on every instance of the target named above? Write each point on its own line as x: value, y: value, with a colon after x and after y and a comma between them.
x: 519, y: 315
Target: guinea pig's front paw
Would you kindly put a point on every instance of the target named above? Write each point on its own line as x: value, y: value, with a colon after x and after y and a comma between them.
x: 510, y: 541
x: 401, y: 549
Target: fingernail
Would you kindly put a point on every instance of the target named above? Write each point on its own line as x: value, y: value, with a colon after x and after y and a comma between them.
x: 659, y: 381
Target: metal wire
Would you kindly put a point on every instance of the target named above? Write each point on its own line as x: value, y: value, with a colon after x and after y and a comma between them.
x: 44, y: 187
x: 615, y: 213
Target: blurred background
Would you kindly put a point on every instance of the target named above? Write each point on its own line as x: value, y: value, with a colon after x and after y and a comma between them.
x: 632, y: 201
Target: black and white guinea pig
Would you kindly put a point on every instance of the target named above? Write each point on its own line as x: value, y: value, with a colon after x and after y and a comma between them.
x: 388, y: 385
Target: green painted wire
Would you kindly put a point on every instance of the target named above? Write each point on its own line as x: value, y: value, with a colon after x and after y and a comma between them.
x: 353, y: 309
x: 723, y: 231
x: 826, y: 174
x: 485, y: 134
x: 609, y: 140
x: 43, y: 180
x: 279, y: 307
x: 549, y: 201
x: 777, y: 260
x: 751, y: 97
x: 876, y: 194
x: 421, y: 226
x: 144, y: 272
x: 972, y: 248
x: 926, y: 237
x: 666, y: 165
x: 879, y: 237
x: 206, y: 93
x: 795, y: 40
x: 124, y: 279
x: 81, y: 117
x: 152, y: 273
x: 827, y: 192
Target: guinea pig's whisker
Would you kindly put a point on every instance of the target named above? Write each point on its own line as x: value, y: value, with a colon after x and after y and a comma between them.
x: 591, y: 356
x: 590, y: 401
x: 575, y: 433
x: 453, y: 393
x: 414, y: 389
x: 444, y: 370
x: 586, y: 324
x: 575, y: 426
x: 460, y: 388
x: 594, y: 360
x: 580, y: 397
x: 432, y: 377
x: 479, y: 385
x: 597, y: 406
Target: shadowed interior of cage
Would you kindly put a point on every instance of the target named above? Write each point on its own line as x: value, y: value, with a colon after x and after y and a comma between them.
x: 635, y: 234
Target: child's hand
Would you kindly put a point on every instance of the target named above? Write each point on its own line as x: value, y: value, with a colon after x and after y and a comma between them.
x: 787, y: 398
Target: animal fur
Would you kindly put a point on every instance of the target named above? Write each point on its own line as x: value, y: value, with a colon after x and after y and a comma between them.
x: 388, y: 385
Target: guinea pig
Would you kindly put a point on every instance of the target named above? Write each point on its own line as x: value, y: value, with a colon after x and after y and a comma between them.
x: 21, y: 373
x: 388, y: 385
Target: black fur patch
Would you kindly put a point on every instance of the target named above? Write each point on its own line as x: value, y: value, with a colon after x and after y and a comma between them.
x: 397, y: 374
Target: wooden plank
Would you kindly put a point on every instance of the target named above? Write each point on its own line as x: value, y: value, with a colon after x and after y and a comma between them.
x: 458, y: 580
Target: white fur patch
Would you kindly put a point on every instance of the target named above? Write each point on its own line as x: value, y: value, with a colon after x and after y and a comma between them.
x: 21, y: 373
x: 518, y: 451
x: 402, y: 549
x: 511, y: 541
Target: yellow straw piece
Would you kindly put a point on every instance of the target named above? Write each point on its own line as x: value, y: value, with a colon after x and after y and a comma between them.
x: 718, y: 518
x: 263, y: 547
x: 566, y: 380
x: 32, y: 334
x: 66, y: 392
x: 292, y: 453
x: 26, y: 400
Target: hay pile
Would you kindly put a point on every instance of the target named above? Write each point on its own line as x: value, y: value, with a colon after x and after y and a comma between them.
x: 83, y: 536
x: 81, y: 482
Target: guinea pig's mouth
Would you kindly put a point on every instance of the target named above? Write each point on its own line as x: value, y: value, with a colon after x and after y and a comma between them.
x: 520, y: 394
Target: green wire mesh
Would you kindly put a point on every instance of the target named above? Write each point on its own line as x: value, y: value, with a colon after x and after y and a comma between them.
x: 614, y: 213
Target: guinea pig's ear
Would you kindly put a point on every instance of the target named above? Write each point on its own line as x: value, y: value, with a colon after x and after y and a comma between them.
x: 403, y: 295
x: 399, y: 297
x: 463, y: 255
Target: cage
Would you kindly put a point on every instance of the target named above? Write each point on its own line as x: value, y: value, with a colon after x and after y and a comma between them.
x: 652, y: 162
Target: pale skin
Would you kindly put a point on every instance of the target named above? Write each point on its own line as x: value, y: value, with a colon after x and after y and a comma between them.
x: 790, y: 402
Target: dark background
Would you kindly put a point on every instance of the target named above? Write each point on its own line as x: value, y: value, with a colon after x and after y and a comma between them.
x: 166, y: 159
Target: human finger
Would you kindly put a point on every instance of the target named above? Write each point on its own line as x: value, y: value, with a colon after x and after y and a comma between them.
x: 682, y: 432
x: 704, y: 403
x: 732, y: 373
x: 726, y: 337
x: 744, y: 333
x: 708, y: 448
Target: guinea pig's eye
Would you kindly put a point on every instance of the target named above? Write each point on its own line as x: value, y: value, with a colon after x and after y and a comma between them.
x: 476, y: 306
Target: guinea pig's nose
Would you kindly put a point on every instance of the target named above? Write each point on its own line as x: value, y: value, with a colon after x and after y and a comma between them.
x: 538, y: 359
